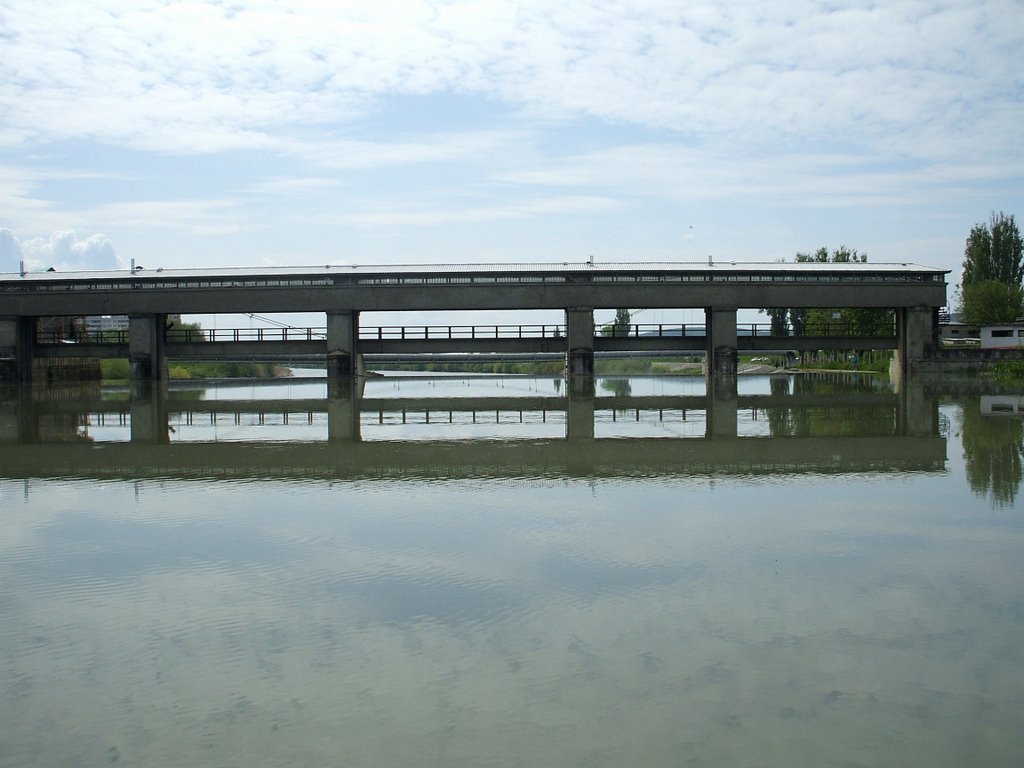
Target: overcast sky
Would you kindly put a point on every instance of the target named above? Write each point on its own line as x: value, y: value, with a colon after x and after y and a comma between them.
x: 393, y: 131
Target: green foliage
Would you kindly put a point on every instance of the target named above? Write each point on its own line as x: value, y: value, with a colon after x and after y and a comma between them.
x: 619, y: 326
x: 991, y: 301
x: 637, y: 365
x: 1009, y: 372
x: 993, y: 453
x: 994, y: 252
x: 779, y: 320
x: 827, y: 321
x: 841, y: 255
x: 118, y: 369
x: 826, y: 420
x: 115, y: 369
x: 224, y: 370
x: 188, y: 332
x: 618, y: 387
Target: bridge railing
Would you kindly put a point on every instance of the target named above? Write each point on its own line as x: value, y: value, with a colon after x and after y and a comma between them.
x: 275, y: 333
x: 450, y: 332
x: 79, y: 336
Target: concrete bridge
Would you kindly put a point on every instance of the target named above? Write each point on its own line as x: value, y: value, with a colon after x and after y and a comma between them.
x: 341, y: 293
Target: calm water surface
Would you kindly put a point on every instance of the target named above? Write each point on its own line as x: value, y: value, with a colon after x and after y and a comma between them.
x: 465, y: 587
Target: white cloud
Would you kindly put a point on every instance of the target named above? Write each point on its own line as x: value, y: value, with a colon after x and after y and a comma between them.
x: 10, y: 251
x: 292, y: 186
x: 200, y: 76
x: 351, y: 154
x: 522, y: 209
x: 202, y: 217
x: 62, y: 250
x: 808, y: 179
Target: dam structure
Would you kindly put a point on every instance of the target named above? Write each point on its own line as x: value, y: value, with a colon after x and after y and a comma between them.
x: 342, y: 292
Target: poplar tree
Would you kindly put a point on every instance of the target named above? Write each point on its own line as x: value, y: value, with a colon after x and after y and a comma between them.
x: 991, y: 286
x: 994, y: 252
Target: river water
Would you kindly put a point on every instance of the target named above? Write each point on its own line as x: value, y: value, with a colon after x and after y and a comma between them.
x: 834, y: 581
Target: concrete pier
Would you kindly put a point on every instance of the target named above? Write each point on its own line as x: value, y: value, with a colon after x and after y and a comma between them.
x: 147, y: 357
x: 342, y: 336
x: 16, y: 340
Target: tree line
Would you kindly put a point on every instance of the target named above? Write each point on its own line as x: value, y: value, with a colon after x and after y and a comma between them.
x: 830, y: 321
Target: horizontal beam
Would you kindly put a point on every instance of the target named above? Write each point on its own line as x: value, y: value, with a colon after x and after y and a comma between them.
x: 603, y: 457
x: 225, y: 350
x: 465, y: 405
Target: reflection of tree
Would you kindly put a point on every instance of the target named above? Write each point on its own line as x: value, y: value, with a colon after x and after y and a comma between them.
x: 781, y: 421
x: 618, y: 387
x: 993, y: 453
x: 801, y: 420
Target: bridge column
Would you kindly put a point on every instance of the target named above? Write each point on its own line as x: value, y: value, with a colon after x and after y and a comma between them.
x: 579, y: 416
x: 148, y: 410
x: 723, y: 412
x: 342, y: 336
x: 17, y: 337
x: 579, y: 359
x: 147, y: 357
x: 343, y: 396
x: 917, y: 414
x: 917, y: 334
x: 720, y: 325
x: 18, y: 420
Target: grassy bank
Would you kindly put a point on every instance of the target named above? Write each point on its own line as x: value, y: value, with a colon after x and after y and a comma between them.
x: 630, y: 365
x: 1007, y: 373
x: 118, y: 369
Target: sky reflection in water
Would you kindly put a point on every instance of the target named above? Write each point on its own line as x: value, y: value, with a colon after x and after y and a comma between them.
x: 530, y: 617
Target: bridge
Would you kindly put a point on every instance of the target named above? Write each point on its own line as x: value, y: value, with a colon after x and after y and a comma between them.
x: 914, y: 293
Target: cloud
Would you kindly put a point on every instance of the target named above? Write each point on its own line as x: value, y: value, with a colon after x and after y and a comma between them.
x: 10, y: 251
x: 813, y: 179
x: 352, y: 154
x: 62, y: 250
x: 202, y: 217
x: 554, y: 205
x: 203, y: 77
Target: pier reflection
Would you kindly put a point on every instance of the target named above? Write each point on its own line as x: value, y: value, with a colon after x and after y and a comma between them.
x: 796, y: 426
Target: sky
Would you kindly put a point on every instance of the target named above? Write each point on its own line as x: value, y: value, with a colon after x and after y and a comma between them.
x: 255, y: 132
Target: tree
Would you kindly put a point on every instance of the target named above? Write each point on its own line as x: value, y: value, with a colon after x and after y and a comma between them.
x: 994, y: 252
x: 991, y: 301
x: 841, y: 255
x: 780, y: 322
x: 864, y: 322
x: 619, y: 326
x: 622, y: 317
x: 184, y: 331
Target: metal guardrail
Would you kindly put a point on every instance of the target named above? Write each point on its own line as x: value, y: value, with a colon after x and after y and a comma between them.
x: 402, y: 332
x: 448, y: 332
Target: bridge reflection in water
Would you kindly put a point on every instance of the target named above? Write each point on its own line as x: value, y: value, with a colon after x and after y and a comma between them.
x: 42, y: 435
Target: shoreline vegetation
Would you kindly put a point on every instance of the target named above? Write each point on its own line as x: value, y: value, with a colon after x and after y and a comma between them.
x: 117, y: 370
